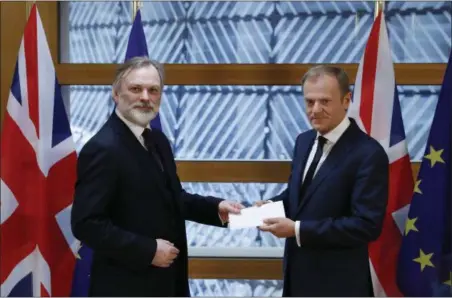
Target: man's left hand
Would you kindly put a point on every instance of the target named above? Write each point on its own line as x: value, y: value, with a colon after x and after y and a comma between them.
x: 227, y: 207
x: 280, y: 227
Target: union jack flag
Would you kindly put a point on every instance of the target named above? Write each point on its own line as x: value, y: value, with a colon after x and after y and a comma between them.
x: 38, y: 164
x: 376, y: 108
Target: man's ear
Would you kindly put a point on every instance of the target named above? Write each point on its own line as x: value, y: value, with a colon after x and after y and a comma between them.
x: 347, y: 100
x: 115, y: 95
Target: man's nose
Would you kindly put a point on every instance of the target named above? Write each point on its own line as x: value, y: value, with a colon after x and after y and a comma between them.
x: 145, y: 96
x: 317, y: 108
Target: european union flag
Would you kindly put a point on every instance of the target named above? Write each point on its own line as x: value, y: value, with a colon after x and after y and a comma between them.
x: 425, y: 259
x: 80, y: 280
x: 136, y: 47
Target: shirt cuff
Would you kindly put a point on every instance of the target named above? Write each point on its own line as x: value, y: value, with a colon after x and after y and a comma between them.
x: 297, y: 232
x: 222, y: 222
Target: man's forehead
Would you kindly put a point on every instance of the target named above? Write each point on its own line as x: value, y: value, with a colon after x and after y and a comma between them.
x: 143, y: 75
x: 324, y: 82
x: 323, y: 78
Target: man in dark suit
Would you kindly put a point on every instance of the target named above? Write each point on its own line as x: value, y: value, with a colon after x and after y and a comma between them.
x: 129, y: 205
x: 336, y: 196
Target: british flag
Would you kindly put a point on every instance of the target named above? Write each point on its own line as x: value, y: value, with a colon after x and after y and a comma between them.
x: 38, y: 164
x: 376, y: 108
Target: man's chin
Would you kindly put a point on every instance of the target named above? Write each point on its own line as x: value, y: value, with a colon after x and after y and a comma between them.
x: 143, y: 120
x: 319, y: 127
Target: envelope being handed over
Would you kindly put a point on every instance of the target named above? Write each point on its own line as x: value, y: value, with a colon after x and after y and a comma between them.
x: 254, y: 216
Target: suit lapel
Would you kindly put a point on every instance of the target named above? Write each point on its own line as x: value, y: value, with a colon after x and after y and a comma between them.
x: 336, y: 155
x: 302, y: 155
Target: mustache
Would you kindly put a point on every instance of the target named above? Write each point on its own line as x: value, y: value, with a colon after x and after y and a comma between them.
x: 147, y: 105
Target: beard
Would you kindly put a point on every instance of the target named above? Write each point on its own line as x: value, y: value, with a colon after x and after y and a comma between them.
x: 133, y: 111
x: 142, y: 118
x: 138, y: 116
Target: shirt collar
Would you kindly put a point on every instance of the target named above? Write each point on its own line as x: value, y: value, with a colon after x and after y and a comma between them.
x: 137, y: 130
x: 334, y: 135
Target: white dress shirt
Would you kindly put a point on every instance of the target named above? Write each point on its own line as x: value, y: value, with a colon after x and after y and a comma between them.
x: 331, y: 139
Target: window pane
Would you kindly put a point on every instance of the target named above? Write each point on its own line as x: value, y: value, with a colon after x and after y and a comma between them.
x: 254, y: 32
x: 234, y: 287
x: 94, y: 32
x: 418, y: 104
x: 222, y: 122
x: 419, y: 31
x: 321, y: 32
x: 90, y: 107
x: 239, y: 122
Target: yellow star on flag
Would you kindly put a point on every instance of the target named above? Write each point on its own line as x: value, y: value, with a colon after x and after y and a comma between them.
x: 409, y: 226
x: 449, y: 282
x: 424, y: 260
x: 434, y: 156
x: 416, y: 187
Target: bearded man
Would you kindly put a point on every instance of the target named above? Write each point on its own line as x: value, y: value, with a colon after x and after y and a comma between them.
x: 129, y: 206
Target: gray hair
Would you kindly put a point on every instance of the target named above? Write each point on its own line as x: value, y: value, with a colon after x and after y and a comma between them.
x: 336, y: 72
x: 136, y: 63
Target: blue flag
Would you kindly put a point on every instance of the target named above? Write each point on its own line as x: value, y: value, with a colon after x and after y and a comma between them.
x: 136, y: 47
x: 425, y: 258
x: 80, y: 280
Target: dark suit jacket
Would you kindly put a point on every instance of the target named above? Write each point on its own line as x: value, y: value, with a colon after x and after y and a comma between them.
x: 341, y: 212
x: 123, y: 203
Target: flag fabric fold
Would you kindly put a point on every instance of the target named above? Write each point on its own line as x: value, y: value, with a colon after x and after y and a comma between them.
x: 425, y: 260
x: 38, y: 165
x: 376, y: 108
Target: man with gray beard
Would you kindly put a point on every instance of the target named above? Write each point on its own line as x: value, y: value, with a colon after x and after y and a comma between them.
x: 129, y: 205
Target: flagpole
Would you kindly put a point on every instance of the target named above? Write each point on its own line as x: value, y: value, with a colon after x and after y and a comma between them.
x: 136, y: 5
x: 379, y: 5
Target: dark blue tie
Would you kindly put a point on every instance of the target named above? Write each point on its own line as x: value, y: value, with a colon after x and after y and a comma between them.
x: 310, y: 174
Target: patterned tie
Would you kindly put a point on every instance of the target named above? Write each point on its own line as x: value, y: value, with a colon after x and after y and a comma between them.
x: 310, y: 174
x: 149, y: 142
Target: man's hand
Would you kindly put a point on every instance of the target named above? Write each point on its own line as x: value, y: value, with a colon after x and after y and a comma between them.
x: 260, y: 203
x: 227, y: 207
x: 165, y: 254
x: 280, y: 227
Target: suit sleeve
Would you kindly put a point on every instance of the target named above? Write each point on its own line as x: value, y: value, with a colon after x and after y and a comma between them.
x: 97, y: 176
x: 201, y: 209
x: 368, y: 206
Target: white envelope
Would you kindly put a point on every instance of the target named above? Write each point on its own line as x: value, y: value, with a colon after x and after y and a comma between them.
x: 254, y: 216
